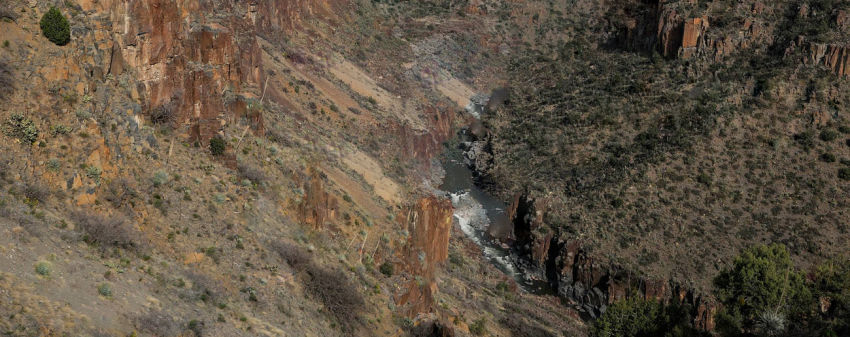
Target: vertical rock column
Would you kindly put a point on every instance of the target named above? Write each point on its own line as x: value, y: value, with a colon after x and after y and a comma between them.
x: 429, y: 223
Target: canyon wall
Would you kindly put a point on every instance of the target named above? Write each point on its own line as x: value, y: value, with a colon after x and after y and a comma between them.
x: 199, y: 61
x: 835, y: 57
x: 584, y: 282
x: 656, y: 27
x: 429, y: 223
x: 659, y: 28
x: 317, y: 205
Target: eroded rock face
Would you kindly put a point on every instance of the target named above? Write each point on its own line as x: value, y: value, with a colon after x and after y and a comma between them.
x: 589, y: 285
x: 660, y: 27
x: 529, y: 232
x: 422, y: 145
x: 429, y: 223
x: 836, y: 58
x: 318, y: 206
x: 273, y: 17
x: 187, y: 62
x: 201, y: 60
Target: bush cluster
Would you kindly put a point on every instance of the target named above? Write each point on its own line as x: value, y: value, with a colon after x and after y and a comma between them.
x: 252, y: 173
x: 55, y: 27
x: 638, y: 317
x: 330, y: 286
x: 106, y: 231
x: 762, y: 294
x: 761, y: 290
x: 217, y: 146
x: 21, y: 127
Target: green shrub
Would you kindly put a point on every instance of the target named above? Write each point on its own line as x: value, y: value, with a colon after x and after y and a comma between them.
x: 93, y: 172
x: 105, y: 290
x: 832, y: 279
x: 633, y: 317
x: 159, y: 178
x: 217, y: 146
x: 844, y: 173
x: 827, y: 157
x: 805, y: 139
x: 386, y: 268
x: 21, y: 127
x: 59, y: 129
x: 55, y: 27
x: 762, y: 289
x: 43, y: 268
x: 479, y: 327
x: 630, y: 317
x: 828, y: 135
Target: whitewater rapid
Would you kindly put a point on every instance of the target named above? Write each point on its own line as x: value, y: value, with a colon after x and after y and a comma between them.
x: 473, y: 221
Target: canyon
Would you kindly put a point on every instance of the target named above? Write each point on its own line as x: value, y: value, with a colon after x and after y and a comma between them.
x: 428, y: 168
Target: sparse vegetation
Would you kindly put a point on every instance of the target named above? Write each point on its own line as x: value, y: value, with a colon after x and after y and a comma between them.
x: 339, y: 296
x: 7, y: 11
x: 159, y: 178
x: 7, y: 80
x: 55, y: 27
x: 252, y: 173
x: 119, y: 192
x: 35, y: 191
x: 479, y: 327
x: 107, y: 231
x: 20, y: 127
x: 158, y: 323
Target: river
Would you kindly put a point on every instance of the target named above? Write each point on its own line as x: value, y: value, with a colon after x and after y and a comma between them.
x: 482, y: 217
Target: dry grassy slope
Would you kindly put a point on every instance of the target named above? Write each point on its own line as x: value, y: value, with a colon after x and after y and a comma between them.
x: 670, y: 164
x: 346, y: 141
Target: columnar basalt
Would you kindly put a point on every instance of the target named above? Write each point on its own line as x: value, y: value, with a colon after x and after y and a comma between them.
x: 318, y: 206
x: 586, y: 283
x: 429, y: 223
x: 199, y: 60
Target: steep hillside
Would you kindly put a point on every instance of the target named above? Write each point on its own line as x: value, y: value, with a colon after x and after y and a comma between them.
x: 273, y: 168
x: 241, y: 168
x: 646, y: 143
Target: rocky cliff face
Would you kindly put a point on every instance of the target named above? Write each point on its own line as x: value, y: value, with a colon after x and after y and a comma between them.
x: 661, y: 27
x: 318, y: 206
x: 198, y: 60
x: 421, y: 145
x: 586, y: 283
x: 664, y: 28
x: 834, y: 57
x: 429, y: 223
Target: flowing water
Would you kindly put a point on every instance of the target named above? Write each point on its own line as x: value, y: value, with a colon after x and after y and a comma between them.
x: 482, y: 217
